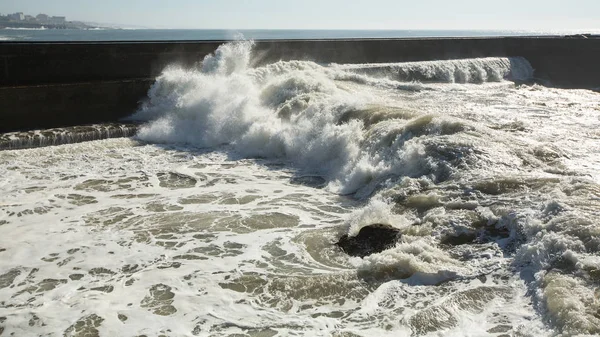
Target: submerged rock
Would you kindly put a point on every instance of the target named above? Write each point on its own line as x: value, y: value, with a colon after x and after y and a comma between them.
x: 370, y: 239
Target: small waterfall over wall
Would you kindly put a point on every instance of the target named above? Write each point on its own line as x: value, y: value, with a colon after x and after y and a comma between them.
x: 68, y: 135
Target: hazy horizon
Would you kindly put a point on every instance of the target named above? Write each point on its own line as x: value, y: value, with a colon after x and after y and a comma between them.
x: 510, y: 15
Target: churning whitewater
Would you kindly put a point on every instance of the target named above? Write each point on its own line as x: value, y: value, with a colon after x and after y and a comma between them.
x: 219, y: 217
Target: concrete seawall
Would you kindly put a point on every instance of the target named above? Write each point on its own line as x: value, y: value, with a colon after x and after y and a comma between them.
x: 61, y: 84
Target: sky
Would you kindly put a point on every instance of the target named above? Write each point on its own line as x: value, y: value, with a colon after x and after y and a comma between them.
x: 543, y: 15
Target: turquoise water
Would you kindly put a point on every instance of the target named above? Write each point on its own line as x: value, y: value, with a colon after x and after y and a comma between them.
x: 199, y: 34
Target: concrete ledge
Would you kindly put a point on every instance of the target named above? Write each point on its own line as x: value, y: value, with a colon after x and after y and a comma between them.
x: 566, y: 62
x: 55, y: 105
x: 49, y: 63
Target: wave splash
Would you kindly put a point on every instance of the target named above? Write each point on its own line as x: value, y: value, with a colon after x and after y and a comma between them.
x: 306, y: 113
x: 489, y: 69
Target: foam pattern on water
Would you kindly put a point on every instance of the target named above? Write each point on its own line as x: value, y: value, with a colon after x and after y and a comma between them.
x: 220, y: 217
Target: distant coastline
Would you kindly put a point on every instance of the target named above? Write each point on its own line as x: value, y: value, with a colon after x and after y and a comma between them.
x: 109, y: 32
x: 34, y: 25
x: 41, y: 21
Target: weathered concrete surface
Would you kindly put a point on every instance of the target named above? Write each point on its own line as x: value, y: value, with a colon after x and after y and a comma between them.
x: 54, y: 105
x: 46, y: 63
x: 112, y: 77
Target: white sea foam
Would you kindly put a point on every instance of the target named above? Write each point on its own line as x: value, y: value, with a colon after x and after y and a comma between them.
x: 325, y: 121
x: 490, y: 69
x: 493, y: 186
x: 25, y: 28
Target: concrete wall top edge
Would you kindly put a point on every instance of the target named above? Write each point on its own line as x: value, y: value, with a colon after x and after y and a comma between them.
x: 25, y: 63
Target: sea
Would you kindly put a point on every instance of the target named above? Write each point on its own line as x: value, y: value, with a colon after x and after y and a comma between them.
x: 219, y: 215
x: 106, y: 34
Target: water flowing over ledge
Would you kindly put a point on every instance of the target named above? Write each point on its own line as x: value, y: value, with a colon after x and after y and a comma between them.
x: 68, y: 135
x: 481, y: 70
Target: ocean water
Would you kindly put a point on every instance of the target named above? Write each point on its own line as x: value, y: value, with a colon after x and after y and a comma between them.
x: 221, y: 35
x: 219, y: 217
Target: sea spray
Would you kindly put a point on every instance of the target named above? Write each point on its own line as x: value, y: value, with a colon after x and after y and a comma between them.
x: 295, y: 110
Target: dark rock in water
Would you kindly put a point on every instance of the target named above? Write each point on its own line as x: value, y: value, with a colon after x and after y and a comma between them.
x: 459, y: 239
x: 370, y: 239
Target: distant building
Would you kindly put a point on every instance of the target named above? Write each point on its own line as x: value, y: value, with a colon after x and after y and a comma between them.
x: 29, y: 18
x: 17, y: 16
x: 42, y: 17
x: 58, y: 19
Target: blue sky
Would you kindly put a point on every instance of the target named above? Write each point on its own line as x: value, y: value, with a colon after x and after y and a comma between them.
x: 324, y: 14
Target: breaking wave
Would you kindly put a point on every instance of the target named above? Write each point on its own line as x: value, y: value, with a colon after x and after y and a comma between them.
x: 470, y: 194
x: 301, y: 111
